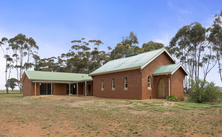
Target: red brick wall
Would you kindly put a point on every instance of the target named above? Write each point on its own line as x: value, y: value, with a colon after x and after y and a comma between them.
x: 177, y: 84
x: 134, y: 85
x: 59, y: 89
x: 26, y: 86
x: 162, y: 59
x: 33, y: 89
x: 80, y: 89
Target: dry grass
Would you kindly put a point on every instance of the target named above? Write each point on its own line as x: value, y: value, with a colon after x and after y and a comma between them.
x: 91, y: 116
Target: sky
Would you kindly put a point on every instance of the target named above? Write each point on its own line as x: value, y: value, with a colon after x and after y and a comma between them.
x: 53, y: 24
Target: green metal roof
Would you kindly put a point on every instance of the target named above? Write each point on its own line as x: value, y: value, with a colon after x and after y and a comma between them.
x: 168, y: 69
x: 129, y: 63
x: 57, y: 76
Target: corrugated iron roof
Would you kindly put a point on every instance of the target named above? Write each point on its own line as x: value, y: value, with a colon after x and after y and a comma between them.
x: 168, y: 69
x: 129, y: 63
x: 57, y: 76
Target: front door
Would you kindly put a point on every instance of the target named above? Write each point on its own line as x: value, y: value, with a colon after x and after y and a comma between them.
x: 161, y: 89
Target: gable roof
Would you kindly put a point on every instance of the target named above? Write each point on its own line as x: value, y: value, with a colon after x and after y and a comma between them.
x: 40, y: 76
x: 130, y: 63
x: 168, y: 69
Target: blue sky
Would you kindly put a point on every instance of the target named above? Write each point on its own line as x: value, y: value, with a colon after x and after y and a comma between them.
x: 54, y: 23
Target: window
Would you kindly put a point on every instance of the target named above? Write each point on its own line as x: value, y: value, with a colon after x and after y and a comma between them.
x: 149, y: 82
x: 113, y: 83
x: 102, y: 84
x: 125, y: 83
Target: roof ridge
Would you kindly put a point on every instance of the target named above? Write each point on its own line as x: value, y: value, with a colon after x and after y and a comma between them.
x: 138, y: 54
x: 55, y: 72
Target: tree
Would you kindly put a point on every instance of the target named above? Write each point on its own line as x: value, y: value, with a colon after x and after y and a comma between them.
x: 188, y: 45
x: 126, y: 47
x: 149, y: 46
x: 8, y: 60
x: 215, y: 37
x: 12, y: 83
x: 24, y: 48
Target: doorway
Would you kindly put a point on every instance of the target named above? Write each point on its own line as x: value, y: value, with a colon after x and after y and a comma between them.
x: 161, y: 88
x: 46, y: 89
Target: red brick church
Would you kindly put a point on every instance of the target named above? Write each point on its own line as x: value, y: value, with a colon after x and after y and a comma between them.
x: 152, y: 74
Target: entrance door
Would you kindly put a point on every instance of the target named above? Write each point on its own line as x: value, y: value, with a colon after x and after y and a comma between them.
x: 45, y: 89
x: 161, y: 89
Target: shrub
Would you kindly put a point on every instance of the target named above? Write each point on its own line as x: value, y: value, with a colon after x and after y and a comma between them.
x: 172, y: 98
x: 203, y: 91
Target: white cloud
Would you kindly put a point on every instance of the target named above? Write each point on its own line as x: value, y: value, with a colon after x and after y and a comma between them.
x: 164, y: 38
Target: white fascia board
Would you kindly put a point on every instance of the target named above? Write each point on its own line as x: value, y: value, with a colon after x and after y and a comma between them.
x: 24, y: 76
x: 165, y: 73
x: 164, y: 50
x: 27, y: 75
x: 120, y: 70
x: 178, y: 68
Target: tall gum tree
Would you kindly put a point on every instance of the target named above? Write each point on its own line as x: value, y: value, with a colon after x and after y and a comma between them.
x: 215, y: 37
x: 24, y: 49
x: 8, y: 60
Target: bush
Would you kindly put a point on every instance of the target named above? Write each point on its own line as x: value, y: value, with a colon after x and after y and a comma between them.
x: 172, y: 98
x: 203, y: 91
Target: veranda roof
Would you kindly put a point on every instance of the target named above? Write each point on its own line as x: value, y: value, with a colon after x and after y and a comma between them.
x: 168, y: 69
x: 60, y: 77
x: 130, y: 63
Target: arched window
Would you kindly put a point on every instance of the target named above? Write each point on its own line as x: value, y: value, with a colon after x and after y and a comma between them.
x: 149, y: 82
x: 113, y: 83
x: 125, y: 83
x: 102, y: 84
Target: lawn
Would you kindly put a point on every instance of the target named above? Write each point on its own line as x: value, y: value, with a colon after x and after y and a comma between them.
x: 91, y: 116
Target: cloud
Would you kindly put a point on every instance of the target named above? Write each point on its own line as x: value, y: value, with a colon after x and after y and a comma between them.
x: 185, y: 11
x: 164, y: 38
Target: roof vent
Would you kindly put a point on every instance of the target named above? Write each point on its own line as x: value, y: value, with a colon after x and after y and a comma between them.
x: 83, y: 76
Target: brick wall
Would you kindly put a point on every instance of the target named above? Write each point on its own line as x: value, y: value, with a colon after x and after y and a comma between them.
x: 177, y: 84
x: 162, y: 59
x: 33, y: 89
x: 134, y: 85
x: 59, y: 89
x: 26, y: 86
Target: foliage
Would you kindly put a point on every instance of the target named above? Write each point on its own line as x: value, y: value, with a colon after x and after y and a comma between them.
x: 172, y: 98
x: 151, y: 46
x: 215, y: 37
x: 203, y: 91
x: 11, y: 83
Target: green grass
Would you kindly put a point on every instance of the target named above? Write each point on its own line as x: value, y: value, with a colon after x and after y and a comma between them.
x: 86, y: 116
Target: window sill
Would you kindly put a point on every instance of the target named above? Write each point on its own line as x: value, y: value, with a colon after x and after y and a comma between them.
x: 102, y: 89
x: 125, y: 88
x: 149, y: 88
x: 113, y: 89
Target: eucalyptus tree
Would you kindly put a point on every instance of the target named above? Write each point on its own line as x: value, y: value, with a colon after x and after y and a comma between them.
x: 126, y: 47
x: 12, y: 83
x: 8, y: 60
x: 149, y: 46
x: 84, y: 58
x: 24, y: 48
x: 215, y: 37
x: 188, y: 45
